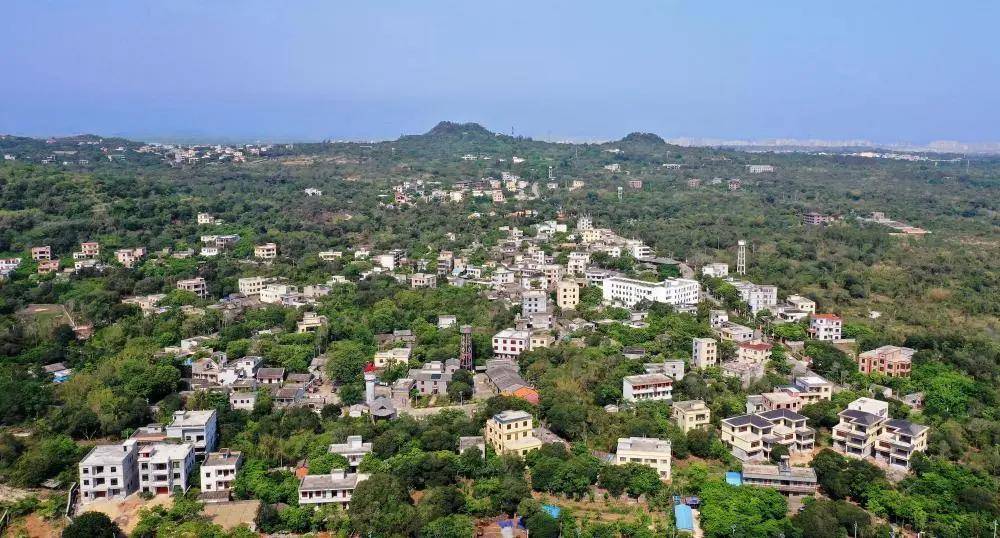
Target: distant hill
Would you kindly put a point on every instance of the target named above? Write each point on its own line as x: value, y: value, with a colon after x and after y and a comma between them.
x: 450, y: 129
x: 643, y: 138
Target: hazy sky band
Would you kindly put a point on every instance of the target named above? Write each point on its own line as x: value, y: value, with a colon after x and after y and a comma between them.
x: 884, y: 71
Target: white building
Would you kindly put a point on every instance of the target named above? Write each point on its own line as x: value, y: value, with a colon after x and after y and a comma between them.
x: 219, y: 470
x: 534, y: 302
x: 510, y: 343
x: 272, y: 293
x: 716, y: 270
x: 353, y: 450
x: 334, y: 488
x: 165, y: 467
x: 197, y: 286
x: 109, y: 471
x: 629, y: 292
x: 654, y: 453
x: 704, y: 353
x: 649, y: 387
x: 253, y: 285
x: 802, y: 303
x: 825, y: 327
x: 578, y: 263
x: 199, y: 428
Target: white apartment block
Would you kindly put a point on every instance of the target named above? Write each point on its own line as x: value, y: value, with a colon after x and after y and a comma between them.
x: 757, y: 296
x: 353, y: 450
x: 628, y: 292
x: 197, y: 286
x: 510, y: 343
x: 647, y: 451
x: 825, y: 327
x: 267, y: 251
x: 567, y: 294
x: 198, y: 428
x: 534, y: 302
x: 219, y: 470
x: 165, y: 467
x: 647, y: 387
x: 715, y: 270
x: 334, y: 488
x: 704, y: 353
x: 272, y: 293
x: 109, y: 471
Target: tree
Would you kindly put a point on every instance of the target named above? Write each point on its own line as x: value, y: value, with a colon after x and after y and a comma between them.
x: 452, y: 526
x: 778, y: 452
x: 381, y: 506
x: 699, y: 442
x: 92, y: 525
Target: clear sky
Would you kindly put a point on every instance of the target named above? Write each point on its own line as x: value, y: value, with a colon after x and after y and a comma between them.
x: 885, y: 70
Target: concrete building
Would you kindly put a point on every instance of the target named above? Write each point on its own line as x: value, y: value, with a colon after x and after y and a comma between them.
x: 567, y: 294
x: 311, y: 322
x: 715, y: 270
x: 129, y: 256
x: 433, y: 377
x: 578, y: 263
x: 219, y: 470
x: 654, y: 453
x: 825, y: 327
x: 866, y: 431
x: 253, y: 285
x: 510, y: 343
x: 704, y: 353
x: 334, y: 488
x: 647, y: 387
x: 892, y: 361
x: 691, y: 415
x: 754, y: 351
x: 272, y: 293
x: 165, y: 467
x: 512, y: 432
x: 109, y: 471
x: 354, y: 450
x: 197, y: 286
x: 206, y: 218
x: 534, y: 302
x: 41, y: 253
x: 783, y: 478
x: 267, y: 251
x: 734, y: 332
x: 628, y: 292
x: 197, y: 428
x: 423, y: 280
x: 389, y: 357
x: 802, y: 303
x: 752, y: 436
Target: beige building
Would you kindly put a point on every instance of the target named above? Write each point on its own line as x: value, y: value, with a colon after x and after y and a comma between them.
x: 892, y: 361
x: 654, y: 453
x: 390, y: 357
x: 645, y: 387
x: 197, y: 286
x: 866, y: 431
x: 751, y: 437
x: 512, y: 432
x: 691, y: 415
x: 567, y: 294
x: 267, y: 251
x: 756, y: 351
x: 423, y: 280
x: 704, y: 353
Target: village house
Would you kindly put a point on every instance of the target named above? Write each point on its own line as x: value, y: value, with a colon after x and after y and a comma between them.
x: 89, y: 249
x: 109, y: 471
x: 128, y: 256
x: 197, y: 428
x: 275, y: 293
x: 512, y: 432
x: 41, y: 253
x: 715, y: 270
x: 782, y: 477
x: 704, y: 353
x: 206, y: 218
x: 755, y: 351
x: 510, y: 343
x: 333, y: 488
x: 734, y: 332
x: 165, y: 468
x: 267, y: 251
x: 270, y: 376
x: 567, y: 294
x: 354, y: 450
x: 311, y: 322
x: 691, y: 415
x: 389, y: 357
x: 752, y: 436
x: 891, y: 361
x: 423, y: 280
x: 647, y: 387
x: 825, y: 327
x: 647, y: 451
x: 48, y: 266
x: 197, y: 286
x: 433, y: 377
x: 218, y: 472
x: 865, y: 431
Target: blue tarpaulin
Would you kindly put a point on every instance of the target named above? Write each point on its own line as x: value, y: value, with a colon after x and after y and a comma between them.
x: 684, y: 517
x: 553, y: 511
x: 734, y: 478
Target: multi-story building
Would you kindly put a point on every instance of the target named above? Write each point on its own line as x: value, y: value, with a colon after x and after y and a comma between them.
x: 423, y: 280
x: 510, y: 343
x: 165, y: 467
x: 704, y: 353
x: 752, y: 436
x: 866, y: 431
x: 691, y: 415
x: 219, y: 470
x: 267, y: 251
x: 48, y: 266
x: 757, y: 296
x: 334, y: 488
x: 654, y: 453
x: 825, y: 327
x: 567, y: 294
x: 628, y: 291
x: 810, y: 389
x: 41, y: 253
x: 512, y: 432
x: 197, y: 286
x: 445, y: 262
x: 433, y: 377
x: 128, y: 256
x: 273, y: 293
x: 647, y: 387
x: 206, y: 218
x: 802, y: 303
x: 813, y: 218
x: 253, y: 285
x: 578, y: 263
x: 755, y: 351
x: 311, y: 322
x: 715, y: 270
x: 734, y: 332
x: 782, y: 477
x: 534, y: 302
x: 353, y: 450
x: 892, y: 361
x: 90, y: 249
x: 198, y: 428
x: 389, y: 357
x: 109, y: 471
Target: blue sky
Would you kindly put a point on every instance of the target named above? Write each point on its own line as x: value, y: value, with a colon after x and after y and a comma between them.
x: 888, y: 71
